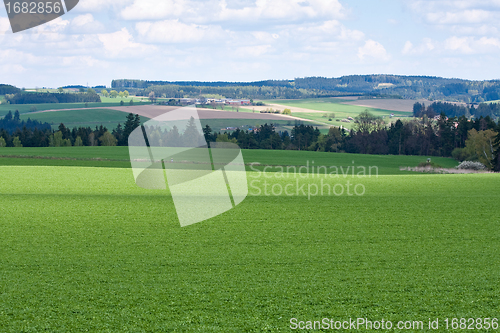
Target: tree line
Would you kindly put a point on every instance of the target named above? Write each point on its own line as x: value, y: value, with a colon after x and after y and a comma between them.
x: 11, y: 123
x: 236, y: 92
x: 411, y: 87
x: 42, y: 135
x: 456, y: 110
x: 459, y: 138
x: 42, y: 98
x: 125, y: 83
x: 8, y: 89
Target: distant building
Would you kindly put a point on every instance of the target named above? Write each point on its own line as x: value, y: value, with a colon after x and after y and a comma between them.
x: 239, y: 102
x: 187, y: 100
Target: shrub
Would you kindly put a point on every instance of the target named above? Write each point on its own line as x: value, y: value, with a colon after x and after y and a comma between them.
x: 469, y: 165
x: 429, y: 165
x: 460, y: 154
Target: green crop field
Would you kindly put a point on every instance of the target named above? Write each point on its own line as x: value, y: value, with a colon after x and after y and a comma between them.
x: 27, y: 108
x: 82, y: 118
x: 333, y: 105
x: 111, y: 118
x: 85, y: 249
x: 244, y: 124
x: 386, y: 164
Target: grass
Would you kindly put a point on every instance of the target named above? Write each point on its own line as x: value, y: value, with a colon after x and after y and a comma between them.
x: 230, y: 108
x: 27, y: 108
x: 217, y: 124
x: 82, y: 118
x: 111, y: 118
x: 386, y: 164
x: 333, y: 105
x: 84, y: 249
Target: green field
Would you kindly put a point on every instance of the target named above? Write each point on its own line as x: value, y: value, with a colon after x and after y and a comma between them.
x: 111, y: 118
x: 218, y: 124
x: 118, y: 157
x: 85, y: 249
x: 341, y: 111
x: 82, y: 118
x: 27, y: 108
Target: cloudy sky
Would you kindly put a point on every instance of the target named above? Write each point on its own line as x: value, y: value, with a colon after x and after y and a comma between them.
x: 247, y: 40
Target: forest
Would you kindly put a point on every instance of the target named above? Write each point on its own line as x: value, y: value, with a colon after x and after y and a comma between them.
x: 381, y: 85
x: 42, y: 98
x: 459, y: 138
x: 491, y: 110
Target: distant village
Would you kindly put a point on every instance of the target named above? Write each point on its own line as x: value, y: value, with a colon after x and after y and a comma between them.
x: 225, y: 101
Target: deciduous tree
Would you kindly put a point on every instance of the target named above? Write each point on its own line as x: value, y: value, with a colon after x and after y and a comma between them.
x: 480, y: 144
x: 107, y: 139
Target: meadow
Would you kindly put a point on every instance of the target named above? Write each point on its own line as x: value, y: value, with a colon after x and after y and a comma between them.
x: 85, y: 249
x: 119, y: 157
x: 111, y: 118
x: 81, y: 118
x: 334, y: 105
x: 28, y: 108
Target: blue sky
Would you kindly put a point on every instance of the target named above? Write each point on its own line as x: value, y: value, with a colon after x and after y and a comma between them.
x: 247, y: 40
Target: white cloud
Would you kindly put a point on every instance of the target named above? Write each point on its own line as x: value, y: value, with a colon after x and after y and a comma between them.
x: 459, y: 15
x: 328, y: 30
x: 82, y: 20
x: 55, y: 26
x: 408, y: 48
x: 373, y: 50
x: 100, y: 6
x: 252, y: 51
x: 86, y: 24
x: 225, y: 11
x: 471, y: 45
x: 427, y: 45
x: 459, y: 44
x: 4, y: 25
x: 173, y: 31
x: 120, y: 44
x: 14, y: 69
x: 154, y: 9
x: 290, y: 10
x: 82, y: 61
x: 478, y: 30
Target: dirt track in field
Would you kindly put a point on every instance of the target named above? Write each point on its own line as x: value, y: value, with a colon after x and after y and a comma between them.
x: 282, y: 107
x: 152, y: 111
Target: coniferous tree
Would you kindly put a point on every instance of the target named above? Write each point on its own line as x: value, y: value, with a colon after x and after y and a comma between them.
x: 131, y: 124
x: 207, y: 132
x: 496, y: 155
